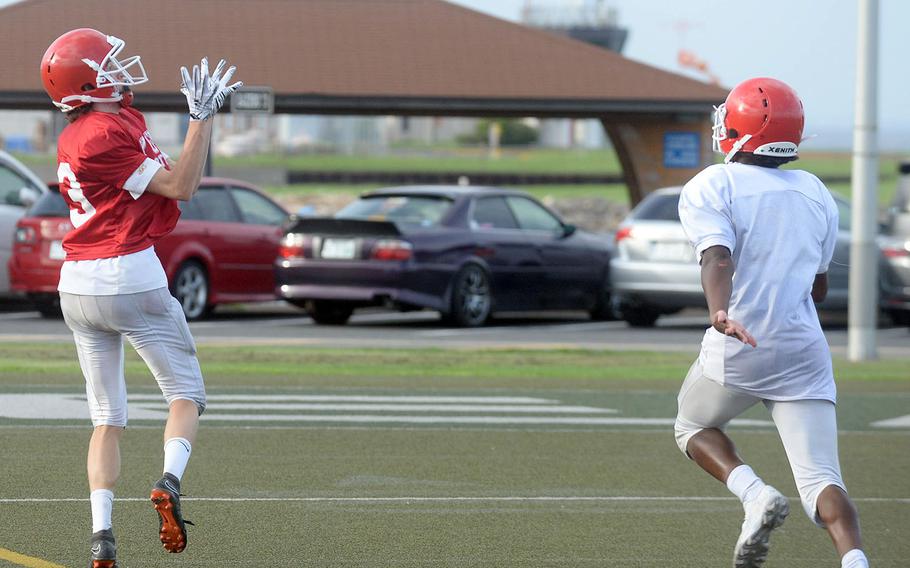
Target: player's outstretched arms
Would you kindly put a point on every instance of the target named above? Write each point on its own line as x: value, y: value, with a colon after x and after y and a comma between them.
x: 204, y: 95
x: 181, y: 182
x: 220, y: 88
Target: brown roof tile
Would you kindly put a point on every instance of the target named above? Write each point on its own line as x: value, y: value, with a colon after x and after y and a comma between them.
x: 344, y: 48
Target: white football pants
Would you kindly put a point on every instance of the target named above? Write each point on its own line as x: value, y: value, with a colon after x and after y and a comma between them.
x: 807, y: 428
x: 154, y: 324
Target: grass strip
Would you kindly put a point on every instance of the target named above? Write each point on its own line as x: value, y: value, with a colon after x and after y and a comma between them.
x: 41, y: 362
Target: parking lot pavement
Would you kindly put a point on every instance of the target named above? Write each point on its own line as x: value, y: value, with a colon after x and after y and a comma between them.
x: 277, y: 323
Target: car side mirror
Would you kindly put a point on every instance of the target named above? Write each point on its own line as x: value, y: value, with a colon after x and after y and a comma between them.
x: 28, y: 196
x: 568, y: 230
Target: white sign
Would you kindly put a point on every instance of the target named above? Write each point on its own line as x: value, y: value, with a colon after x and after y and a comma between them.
x: 253, y: 100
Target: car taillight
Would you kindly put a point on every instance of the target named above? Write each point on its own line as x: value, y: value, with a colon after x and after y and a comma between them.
x: 895, y: 251
x: 391, y: 249
x: 53, y: 230
x: 25, y: 235
x: 623, y: 233
x: 292, y: 246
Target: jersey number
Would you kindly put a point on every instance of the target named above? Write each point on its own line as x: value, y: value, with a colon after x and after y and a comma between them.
x: 65, y: 175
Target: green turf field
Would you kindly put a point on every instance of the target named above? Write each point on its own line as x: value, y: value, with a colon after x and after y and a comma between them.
x: 382, y: 458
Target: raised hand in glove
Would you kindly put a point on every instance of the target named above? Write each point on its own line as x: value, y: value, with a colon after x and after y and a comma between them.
x: 206, y: 94
x: 220, y: 85
x: 198, y: 89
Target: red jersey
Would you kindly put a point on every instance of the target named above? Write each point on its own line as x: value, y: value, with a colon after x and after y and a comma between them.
x: 97, y: 154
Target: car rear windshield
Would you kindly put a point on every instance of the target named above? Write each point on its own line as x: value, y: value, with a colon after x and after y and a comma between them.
x: 415, y: 210
x: 658, y: 207
x: 51, y: 204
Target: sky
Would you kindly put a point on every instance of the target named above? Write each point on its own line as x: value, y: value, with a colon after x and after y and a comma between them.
x: 809, y: 44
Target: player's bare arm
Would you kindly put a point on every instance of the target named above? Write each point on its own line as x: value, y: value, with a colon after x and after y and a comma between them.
x: 205, y: 95
x: 181, y: 182
x: 820, y: 287
x: 717, y: 281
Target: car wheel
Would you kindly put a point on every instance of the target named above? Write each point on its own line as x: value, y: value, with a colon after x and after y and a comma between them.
x: 472, y: 298
x: 191, y: 288
x: 641, y: 317
x: 329, y: 313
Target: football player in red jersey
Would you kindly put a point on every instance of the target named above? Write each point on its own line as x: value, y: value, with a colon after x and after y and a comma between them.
x: 122, y: 192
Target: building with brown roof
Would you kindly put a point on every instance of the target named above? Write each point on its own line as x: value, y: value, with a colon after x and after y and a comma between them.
x: 384, y: 57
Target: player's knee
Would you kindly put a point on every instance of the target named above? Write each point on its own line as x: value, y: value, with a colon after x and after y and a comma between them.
x: 809, y: 496
x: 200, y: 405
x: 196, y: 399
x: 116, y: 417
x: 684, y: 432
x: 108, y: 431
x: 833, y: 505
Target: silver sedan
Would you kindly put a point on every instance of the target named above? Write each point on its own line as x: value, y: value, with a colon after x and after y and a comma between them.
x: 654, y: 271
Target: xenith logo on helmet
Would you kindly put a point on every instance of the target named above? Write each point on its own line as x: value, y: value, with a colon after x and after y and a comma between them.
x: 780, y: 149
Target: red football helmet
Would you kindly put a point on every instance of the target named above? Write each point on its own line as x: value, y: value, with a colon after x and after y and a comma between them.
x: 81, y: 67
x: 762, y: 116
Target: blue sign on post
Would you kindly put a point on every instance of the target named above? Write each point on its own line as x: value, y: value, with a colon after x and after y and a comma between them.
x: 682, y: 150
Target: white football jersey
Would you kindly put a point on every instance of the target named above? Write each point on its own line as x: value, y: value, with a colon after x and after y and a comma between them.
x: 781, y: 227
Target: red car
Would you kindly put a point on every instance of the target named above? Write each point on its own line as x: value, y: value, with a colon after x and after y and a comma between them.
x: 222, y: 249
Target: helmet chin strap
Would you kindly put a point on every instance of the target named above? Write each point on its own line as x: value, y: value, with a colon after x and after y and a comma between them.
x: 127, y: 97
x: 737, y: 147
x: 63, y: 106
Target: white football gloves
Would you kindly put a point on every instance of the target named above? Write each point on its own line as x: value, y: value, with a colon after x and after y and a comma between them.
x: 205, y: 94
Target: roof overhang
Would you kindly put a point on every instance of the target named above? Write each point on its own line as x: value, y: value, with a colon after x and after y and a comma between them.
x: 413, y: 106
x: 367, y: 57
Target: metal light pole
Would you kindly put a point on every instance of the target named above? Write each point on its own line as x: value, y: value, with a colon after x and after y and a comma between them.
x: 863, y: 300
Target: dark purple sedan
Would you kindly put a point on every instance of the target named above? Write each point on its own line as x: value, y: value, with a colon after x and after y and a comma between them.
x: 464, y: 251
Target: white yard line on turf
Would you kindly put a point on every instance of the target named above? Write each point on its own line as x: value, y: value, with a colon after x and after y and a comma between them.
x: 660, y: 429
x: 897, y: 422
x: 452, y: 499
x: 363, y: 398
x: 349, y: 407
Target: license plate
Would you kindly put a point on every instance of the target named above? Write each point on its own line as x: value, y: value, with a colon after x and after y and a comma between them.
x: 56, y: 251
x: 338, y: 248
x: 676, y: 252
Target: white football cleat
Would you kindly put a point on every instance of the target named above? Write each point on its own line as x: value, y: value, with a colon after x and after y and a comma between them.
x: 763, y: 514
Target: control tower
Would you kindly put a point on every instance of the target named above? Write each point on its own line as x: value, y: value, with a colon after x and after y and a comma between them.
x: 591, y: 21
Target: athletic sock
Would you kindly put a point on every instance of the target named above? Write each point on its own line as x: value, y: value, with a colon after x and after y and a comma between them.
x: 743, y: 483
x: 102, y: 501
x: 855, y: 558
x: 176, y: 455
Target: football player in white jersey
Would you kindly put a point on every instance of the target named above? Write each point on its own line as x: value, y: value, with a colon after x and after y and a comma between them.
x: 764, y: 238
